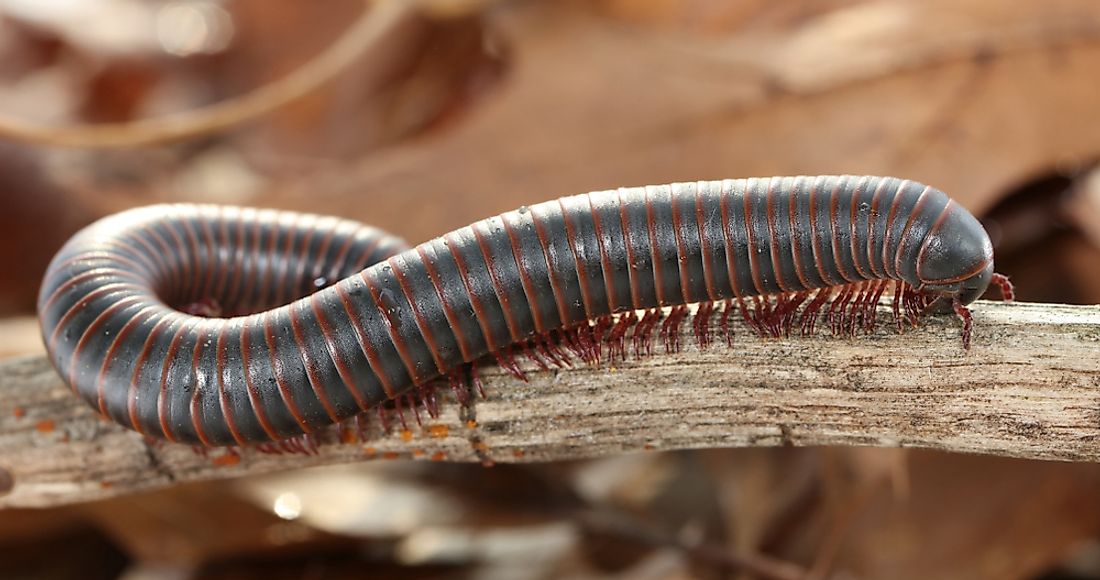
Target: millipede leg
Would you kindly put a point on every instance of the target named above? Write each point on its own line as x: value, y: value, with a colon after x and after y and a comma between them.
x: 670, y: 328
x: 475, y: 377
x: 1008, y: 293
x: 545, y: 345
x: 362, y: 424
x: 572, y: 341
x: 856, y: 308
x: 600, y: 334
x: 899, y: 289
x: 701, y: 324
x: 582, y: 335
x: 508, y: 362
x: 398, y: 406
x: 643, y: 333
x: 762, y: 309
x: 791, y: 311
x: 967, y: 319
x: 617, y: 337
x: 426, y: 394
x: 555, y: 349
x: 872, y: 307
x: 835, y: 314
x: 530, y: 351
x: 809, y: 316
x: 457, y: 381
x: 724, y: 322
x: 415, y: 406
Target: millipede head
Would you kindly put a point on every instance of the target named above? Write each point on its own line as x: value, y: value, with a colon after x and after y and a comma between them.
x: 956, y: 259
x: 973, y: 287
x: 965, y: 291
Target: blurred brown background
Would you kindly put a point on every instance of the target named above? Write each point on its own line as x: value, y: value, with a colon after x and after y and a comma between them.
x: 473, y: 107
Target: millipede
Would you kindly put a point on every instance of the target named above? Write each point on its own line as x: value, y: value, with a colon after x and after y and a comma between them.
x: 221, y: 326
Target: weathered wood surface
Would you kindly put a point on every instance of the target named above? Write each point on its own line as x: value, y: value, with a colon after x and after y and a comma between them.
x: 1029, y: 387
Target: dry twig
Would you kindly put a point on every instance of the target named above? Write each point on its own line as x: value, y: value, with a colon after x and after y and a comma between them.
x: 1028, y: 388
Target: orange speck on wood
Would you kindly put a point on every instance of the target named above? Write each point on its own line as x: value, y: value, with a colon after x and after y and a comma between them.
x: 518, y: 453
x: 45, y: 425
x: 227, y: 460
x: 438, y: 456
x: 439, y: 431
x: 390, y: 455
x: 470, y: 424
x: 19, y: 412
x: 406, y: 435
x: 370, y: 451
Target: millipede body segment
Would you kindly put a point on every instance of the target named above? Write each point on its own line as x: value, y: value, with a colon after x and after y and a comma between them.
x: 222, y: 326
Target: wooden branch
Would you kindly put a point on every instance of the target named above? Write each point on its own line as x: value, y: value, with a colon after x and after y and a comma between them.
x: 1029, y: 387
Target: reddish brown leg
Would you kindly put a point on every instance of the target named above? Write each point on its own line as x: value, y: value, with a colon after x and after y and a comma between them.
x: 911, y: 303
x: 681, y: 313
x: 305, y: 444
x: 856, y: 307
x: 545, y: 349
x: 701, y: 324
x: 752, y: 322
x: 599, y: 332
x: 724, y: 322
x: 755, y: 317
x: 775, y: 316
x: 643, y: 333
x: 414, y: 405
x: 899, y: 291
x: 791, y: 311
x: 457, y: 381
x: 508, y: 362
x: 809, y: 315
x: 532, y: 353
x: 837, y: 309
x: 384, y: 419
x: 830, y: 312
x: 399, y: 406
x: 362, y: 425
x: 670, y: 328
x: 592, y: 339
x: 582, y: 338
x: 765, y: 313
x: 576, y: 341
x: 566, y: 338
x: 1008, y: 293
x: 872, y: 307
x: 617, y: 338
x: 968, y: 321
x: 555, y: 349
x: 312, y: 443
x: 475, y: 376
x: 426, y: 394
